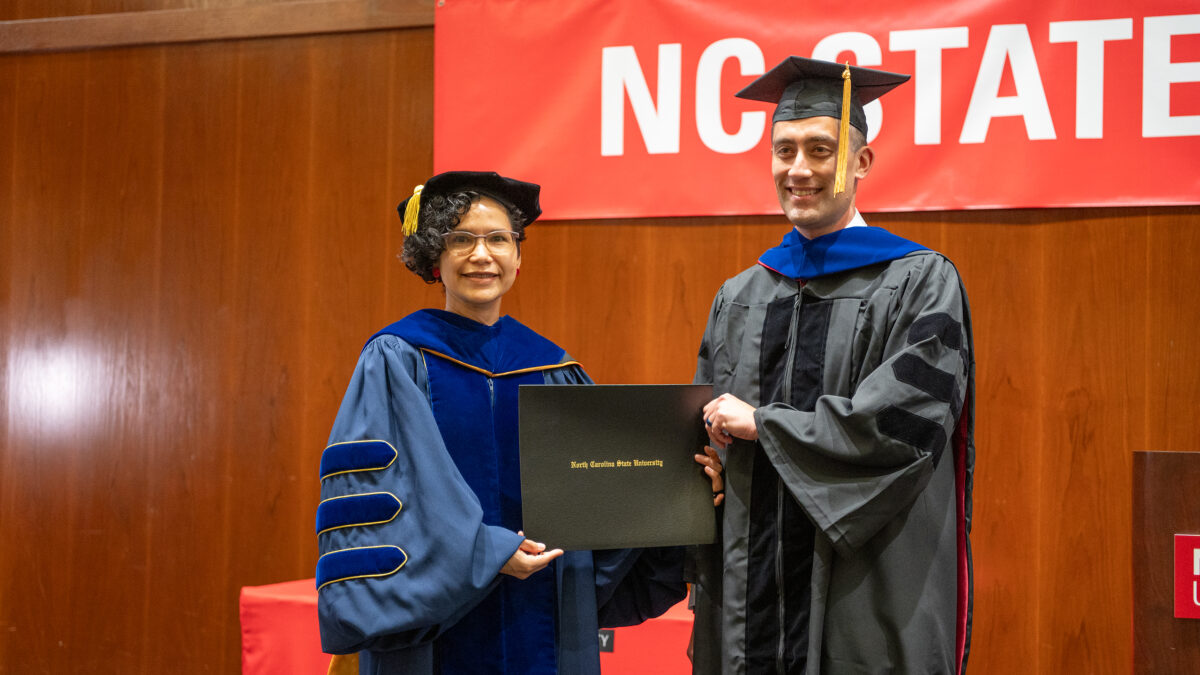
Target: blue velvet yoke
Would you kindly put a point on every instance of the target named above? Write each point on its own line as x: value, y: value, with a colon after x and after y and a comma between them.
x: 846, y: 249
x: 474, y: 368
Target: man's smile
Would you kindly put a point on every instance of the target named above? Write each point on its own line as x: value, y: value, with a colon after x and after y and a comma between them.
x: 803, y: 192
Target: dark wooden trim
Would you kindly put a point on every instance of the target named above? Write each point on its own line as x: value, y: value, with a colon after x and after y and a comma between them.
x: 95, y: 31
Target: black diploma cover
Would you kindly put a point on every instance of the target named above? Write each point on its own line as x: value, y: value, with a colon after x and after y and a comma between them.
x: 612, y: 466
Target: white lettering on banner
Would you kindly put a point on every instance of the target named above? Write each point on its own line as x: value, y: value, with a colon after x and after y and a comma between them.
x: 1196, y: 592
x: 927, y: 76
x: 1008, y: 43
x: 1008, y: 46
x: 1159, y: 73
x: 620, y: 72
x: 866, y: 53
x: 708, y: 96
x: 1196, y: 561
x: 1090, y: 37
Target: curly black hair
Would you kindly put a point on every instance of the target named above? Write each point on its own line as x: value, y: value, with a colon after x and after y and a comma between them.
x: 439, y: 215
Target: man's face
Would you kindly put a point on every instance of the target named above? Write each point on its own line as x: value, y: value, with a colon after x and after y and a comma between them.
x: 804, y: 163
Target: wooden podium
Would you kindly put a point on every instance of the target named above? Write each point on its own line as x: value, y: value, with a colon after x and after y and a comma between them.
x: 1166, y: 502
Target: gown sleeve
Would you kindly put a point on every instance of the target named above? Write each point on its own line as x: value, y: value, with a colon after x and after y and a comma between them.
x: 704, y: 563
x: 632, y: 585
x: 711, y: 342
x: 855, y: 462
x: 404, y: 550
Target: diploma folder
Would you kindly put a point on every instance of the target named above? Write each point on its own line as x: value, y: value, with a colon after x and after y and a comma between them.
x: 612, y: 466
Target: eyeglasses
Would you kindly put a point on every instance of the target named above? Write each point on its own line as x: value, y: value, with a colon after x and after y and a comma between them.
x: 499, y: 242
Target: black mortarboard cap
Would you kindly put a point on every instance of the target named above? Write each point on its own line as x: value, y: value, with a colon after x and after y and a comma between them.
x: 507, y: 191
x: 803, y: 88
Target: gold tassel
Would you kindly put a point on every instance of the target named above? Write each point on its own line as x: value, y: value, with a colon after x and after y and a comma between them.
x: 412, y: 212
x: 343, y: 664
x: 839, y: 183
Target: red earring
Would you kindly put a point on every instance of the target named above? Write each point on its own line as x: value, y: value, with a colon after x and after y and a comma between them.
x: 437, y: 273
x: 518, y: 271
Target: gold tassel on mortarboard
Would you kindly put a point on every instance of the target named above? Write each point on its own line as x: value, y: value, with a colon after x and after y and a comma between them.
x: 412, y: 211
x: 839, y: 183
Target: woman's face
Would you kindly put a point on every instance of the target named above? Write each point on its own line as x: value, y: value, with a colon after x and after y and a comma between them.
x: 476, y: 279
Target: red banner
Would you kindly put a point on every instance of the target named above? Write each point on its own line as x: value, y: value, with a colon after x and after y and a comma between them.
x: 624, y: 108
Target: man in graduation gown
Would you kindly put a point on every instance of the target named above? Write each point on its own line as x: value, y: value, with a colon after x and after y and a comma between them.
x: 844, y: 371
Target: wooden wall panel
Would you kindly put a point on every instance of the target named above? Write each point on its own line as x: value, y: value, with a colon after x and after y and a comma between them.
x: 274, y: 195
x: 122, y: 159
x: 44, y: 449
x: 175, y: 219
x: 1093, y: 403
x: 190, y: 469
x: 8, y: 134
x: 195, y: 241
x: 1172, y: 392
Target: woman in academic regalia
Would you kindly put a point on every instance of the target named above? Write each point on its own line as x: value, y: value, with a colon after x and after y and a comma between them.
x: 423, y: 567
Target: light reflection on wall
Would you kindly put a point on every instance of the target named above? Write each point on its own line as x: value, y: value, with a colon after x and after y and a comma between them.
x: 55, y: 391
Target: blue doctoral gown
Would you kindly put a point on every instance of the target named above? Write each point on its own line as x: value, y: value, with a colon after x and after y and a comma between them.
x: 420, y: 508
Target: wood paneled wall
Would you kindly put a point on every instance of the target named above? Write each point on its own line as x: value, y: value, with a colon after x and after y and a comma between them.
x: 196, y: 239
